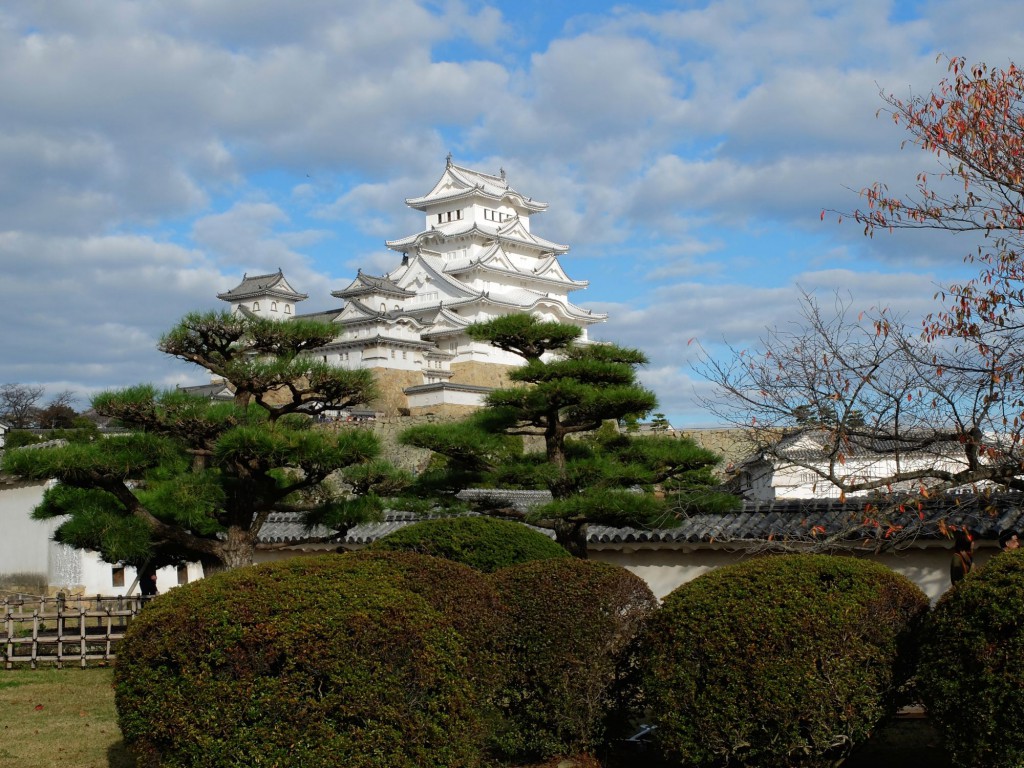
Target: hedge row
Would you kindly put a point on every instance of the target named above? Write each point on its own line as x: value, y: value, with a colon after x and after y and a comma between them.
x: 971, y: 676
x: 400, y: 659
x: 377, y: 659
x: 485, y: 543
x: 779, y: 661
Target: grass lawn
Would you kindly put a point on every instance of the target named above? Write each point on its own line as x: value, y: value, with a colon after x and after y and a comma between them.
x: 60, y: 717
x: 66, y: 717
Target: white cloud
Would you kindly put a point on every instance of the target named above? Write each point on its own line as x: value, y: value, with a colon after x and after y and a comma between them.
x: 154, y: 152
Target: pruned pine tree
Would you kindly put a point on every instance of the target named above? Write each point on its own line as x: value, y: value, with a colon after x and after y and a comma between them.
x: 564, y: 390
x: 197, y: 480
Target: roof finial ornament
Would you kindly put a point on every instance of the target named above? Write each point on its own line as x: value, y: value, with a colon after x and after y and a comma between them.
x: 448, y: 160
x: 502, y: 172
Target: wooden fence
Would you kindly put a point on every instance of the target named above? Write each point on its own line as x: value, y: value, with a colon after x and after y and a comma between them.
x: 64, y: 630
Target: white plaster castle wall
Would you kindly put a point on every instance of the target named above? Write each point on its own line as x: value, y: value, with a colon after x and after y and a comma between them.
x: 449, y: 397
x: 664, y: 570
x: 26, y: 547
x: 25, y: 543
x: 97, y: 577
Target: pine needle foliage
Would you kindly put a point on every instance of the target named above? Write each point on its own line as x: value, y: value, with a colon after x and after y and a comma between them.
x: 197, y: 480
x: 564, y: 393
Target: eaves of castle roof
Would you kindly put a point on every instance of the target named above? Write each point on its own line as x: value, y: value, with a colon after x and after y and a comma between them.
x: 458, y: 183
x: 814, y: 444
x: 370, y: 284
x: 376, y: 340
x: 446, y: 323
x: 547, y: 272
x: 363, y: 315
x: 215, y: 391
x: 514, y: 231
x: 523, y: 298
x: 356, y: 311
x: 326, y: 316
x: 434, y: 268
x: 435, y: 386
x: 254, y: 286
x: 511, y: 231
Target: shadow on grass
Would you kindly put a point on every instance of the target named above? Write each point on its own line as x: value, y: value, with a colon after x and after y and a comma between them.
x: 119, y: 756
x: 903, y: 743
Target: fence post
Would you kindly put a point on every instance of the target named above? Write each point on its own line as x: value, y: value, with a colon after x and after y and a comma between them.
x: 35, y: 638
x: 9, y: 627
x: 60, y: 629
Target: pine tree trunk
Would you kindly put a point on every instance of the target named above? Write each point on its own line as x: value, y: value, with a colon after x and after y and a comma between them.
x: 572, y: 534
x: 238, y: 548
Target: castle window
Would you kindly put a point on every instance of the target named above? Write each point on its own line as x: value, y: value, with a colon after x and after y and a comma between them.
x: 403, y: 354
x: 392, y: 354
x: 273, y: 306
x: 117, y: 576
x: 287, y: 309
x: 182, y: 574
x: 449, y: 216
x: 255, y: 306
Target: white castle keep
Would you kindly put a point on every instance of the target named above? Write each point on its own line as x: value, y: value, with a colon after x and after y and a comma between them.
x: 475, y: 259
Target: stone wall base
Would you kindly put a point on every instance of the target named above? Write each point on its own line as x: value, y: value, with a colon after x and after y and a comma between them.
x: 481, y: 374
x: 392, y: 384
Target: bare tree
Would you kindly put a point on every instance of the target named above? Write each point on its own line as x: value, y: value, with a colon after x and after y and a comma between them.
x: 941, y: 406
x: 925, y: 414
x: 18, y: 403
x: 58, y: 413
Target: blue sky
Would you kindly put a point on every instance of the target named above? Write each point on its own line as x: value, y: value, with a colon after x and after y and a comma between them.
x: 152, y: 152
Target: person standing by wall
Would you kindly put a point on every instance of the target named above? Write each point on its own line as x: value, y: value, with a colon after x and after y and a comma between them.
x: 963, y: 555
x: 147, y: 582
x: 1008, y: 540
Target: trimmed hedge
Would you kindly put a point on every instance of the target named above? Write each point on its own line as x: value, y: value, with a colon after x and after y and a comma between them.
x: 568, y: 637
x: 779, y: 661
x: 465, y: 596
x: 329, y: 660
x: 485, y: 543
x: 971, y: 676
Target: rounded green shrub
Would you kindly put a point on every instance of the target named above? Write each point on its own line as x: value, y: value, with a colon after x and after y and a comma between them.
x: 317, y: 661
x: 569, y: 635
x: 779, y: 661
x: 971, y: 676
x: 464, y: 595
x: 485, y: 543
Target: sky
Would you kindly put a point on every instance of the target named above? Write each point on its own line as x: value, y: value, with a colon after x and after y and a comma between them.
x: 151, y: 152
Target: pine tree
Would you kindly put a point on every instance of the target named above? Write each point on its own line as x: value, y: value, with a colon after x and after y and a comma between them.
x: 196, y: 479
x: 567, y: 390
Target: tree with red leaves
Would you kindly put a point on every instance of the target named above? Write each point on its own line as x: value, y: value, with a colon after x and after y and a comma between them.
x: 870, y: 384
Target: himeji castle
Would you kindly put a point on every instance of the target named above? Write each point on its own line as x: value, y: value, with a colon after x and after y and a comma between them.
x: 475, y: 259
